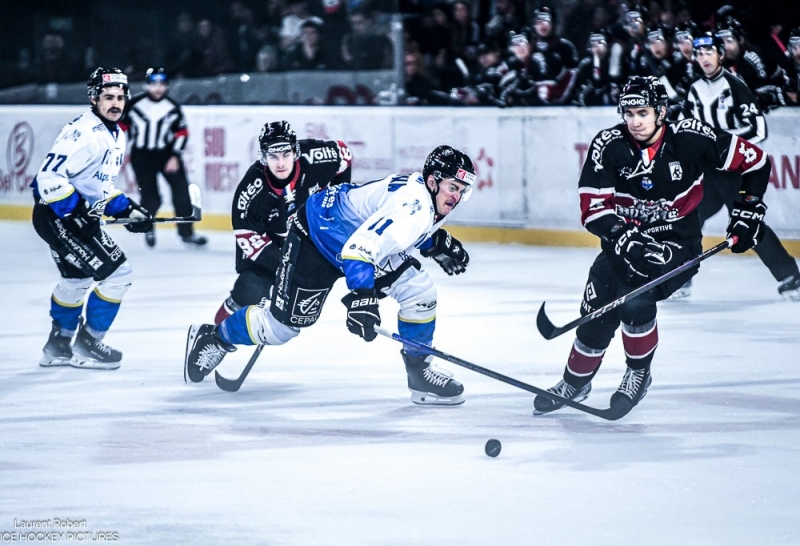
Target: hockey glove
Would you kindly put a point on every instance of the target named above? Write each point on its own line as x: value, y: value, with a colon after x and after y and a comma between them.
x: 144, y: 220
x: 362, y: 312
x: 746, y: 223
x: 86, y: 218
x: 448, y: 253
x: 640, y: 256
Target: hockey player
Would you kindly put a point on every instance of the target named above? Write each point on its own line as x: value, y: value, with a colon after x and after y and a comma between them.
x: 721, y: 99
x: 639, y: 190
x: 364, y: 234
x: 73, y: 189
x: 287, y: 172
x: 158, y: 134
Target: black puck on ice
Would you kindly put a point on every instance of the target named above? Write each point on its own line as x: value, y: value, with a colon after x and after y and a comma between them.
x: 493, y: 448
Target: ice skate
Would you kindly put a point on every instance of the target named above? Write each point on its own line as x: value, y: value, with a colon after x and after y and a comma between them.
x: 204, y: 352
x: 789, y: 288
x: 631, y: 391
x: 58, y: 349
x: 429, y: 386
x: 195, y: 241
x: 91, y: 353
x: 542, y: 404
x: 683, y: 292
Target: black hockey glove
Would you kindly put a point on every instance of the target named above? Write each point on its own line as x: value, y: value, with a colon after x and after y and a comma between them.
x: 144, y: 220
x: 86, y: 218
x: 362, y: 312
x: 746, y: 223
x: 448, y: 253
x: 636, y: 254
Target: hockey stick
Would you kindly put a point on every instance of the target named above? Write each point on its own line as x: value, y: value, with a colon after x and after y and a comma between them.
x: 606, y: 414
x: 233, y: 385
x: 550, y: 330
x: 196, y: 216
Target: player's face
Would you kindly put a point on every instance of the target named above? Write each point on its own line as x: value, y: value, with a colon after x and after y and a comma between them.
x: 731, y: 47
x: 449, y: 195
x: 110, y: 103
x: 156, y: 90
x: 658, y: 47
x: 280, y: 164
x: 685, y: 46
x: 641, y: 123
x: 709, y: 60
x: 794, y: 50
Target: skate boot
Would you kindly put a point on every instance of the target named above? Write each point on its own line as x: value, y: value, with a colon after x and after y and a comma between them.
x: 630, y: 392
x: 683, y: 292
x: 92, y: 353
x: 204, y: 352
x: 150, y: 238
x: 789, y: 288
x: 194, y: 240
x: 542, y: 404
x: 429, y: 386
x: 57, y: 351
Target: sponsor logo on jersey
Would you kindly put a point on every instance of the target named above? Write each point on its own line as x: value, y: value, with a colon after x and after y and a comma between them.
x: 693, y: 126
x: 675, y: 170
x: 599, y: 144
x: 320, y: 155
x: 591, y: 293
x: 247, y: 195
x: 307, y: 306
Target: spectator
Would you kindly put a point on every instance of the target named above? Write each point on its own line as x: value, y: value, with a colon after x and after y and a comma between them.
x: 242, y: 36
x: 292, y: 22
x: 182, y: 53
x: 362, y: 48
x: 466, y: 33
x: 420, y: 89
x: 506, y: 19
x: 308, y: 54
x: 268, y: 59
x: 211, y: 45
x: 55, y: 64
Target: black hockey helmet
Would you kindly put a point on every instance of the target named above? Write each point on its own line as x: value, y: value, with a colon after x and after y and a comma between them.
x: 641, y: 92
x: 709, y: 39
x: 154, y: 75
x: 107, y: 77
x: 447, y: 162
x: 731, y: 27
x: 794, y: 38
x: 275, y: 137
x: 659, y: 32
x: 685, y: 31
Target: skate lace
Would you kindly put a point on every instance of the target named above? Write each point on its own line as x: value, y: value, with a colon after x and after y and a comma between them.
x: 101, y: 347
x: 210, y: 356
x: 631, y: 383
x: 563, y: 389
x: 436, y: 377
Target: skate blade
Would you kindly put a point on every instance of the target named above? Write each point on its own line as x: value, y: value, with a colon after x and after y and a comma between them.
x: 89, y: 364
x: 54, y: 361
x: 578, y: 399
x: 791, y: 295
x: 428, y: 399
x: 191, y: 336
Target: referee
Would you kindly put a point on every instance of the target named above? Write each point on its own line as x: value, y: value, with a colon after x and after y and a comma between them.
x: 158, y: 133
x: 721, y: 99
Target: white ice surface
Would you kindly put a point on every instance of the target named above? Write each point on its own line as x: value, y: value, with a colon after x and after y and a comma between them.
x: 322, y: 445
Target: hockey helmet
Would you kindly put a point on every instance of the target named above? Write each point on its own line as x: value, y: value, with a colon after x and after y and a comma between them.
x: 709, y: 39
x: 276, y: 137
x: 641, y: 92
x: 684, y: 31
x: 447, y: 162
x: 731, y: 27
x: 107, y: 77
x: 794, y: 38
x: 154, y: 75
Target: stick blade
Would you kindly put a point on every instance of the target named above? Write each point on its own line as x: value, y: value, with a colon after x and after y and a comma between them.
x: 196, y: 199
x: 546, y: 328
x: 227, y: 385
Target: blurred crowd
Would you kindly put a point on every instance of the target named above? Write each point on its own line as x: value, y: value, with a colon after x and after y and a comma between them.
x: 456, y: 52
x: 582, y: 54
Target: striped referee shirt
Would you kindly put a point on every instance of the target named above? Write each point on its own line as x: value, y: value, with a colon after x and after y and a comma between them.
x: 726, y: 103
x: 156, y: 125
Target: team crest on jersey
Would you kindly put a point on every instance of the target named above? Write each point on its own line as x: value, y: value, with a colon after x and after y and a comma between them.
x: 647, y: 184
x: 675, y: 170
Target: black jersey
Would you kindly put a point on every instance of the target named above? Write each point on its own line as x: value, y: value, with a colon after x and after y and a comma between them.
x: 659, y: 187
x: 262, y: 204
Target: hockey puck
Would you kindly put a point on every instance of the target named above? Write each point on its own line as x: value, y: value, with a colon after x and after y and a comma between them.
x: 493, y: 448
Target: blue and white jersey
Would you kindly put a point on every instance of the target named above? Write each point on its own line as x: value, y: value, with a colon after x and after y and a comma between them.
x: 85, y: 158
x: 368, y: 230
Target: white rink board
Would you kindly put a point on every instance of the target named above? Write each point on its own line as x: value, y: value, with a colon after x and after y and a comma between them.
x: 528, y: 160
